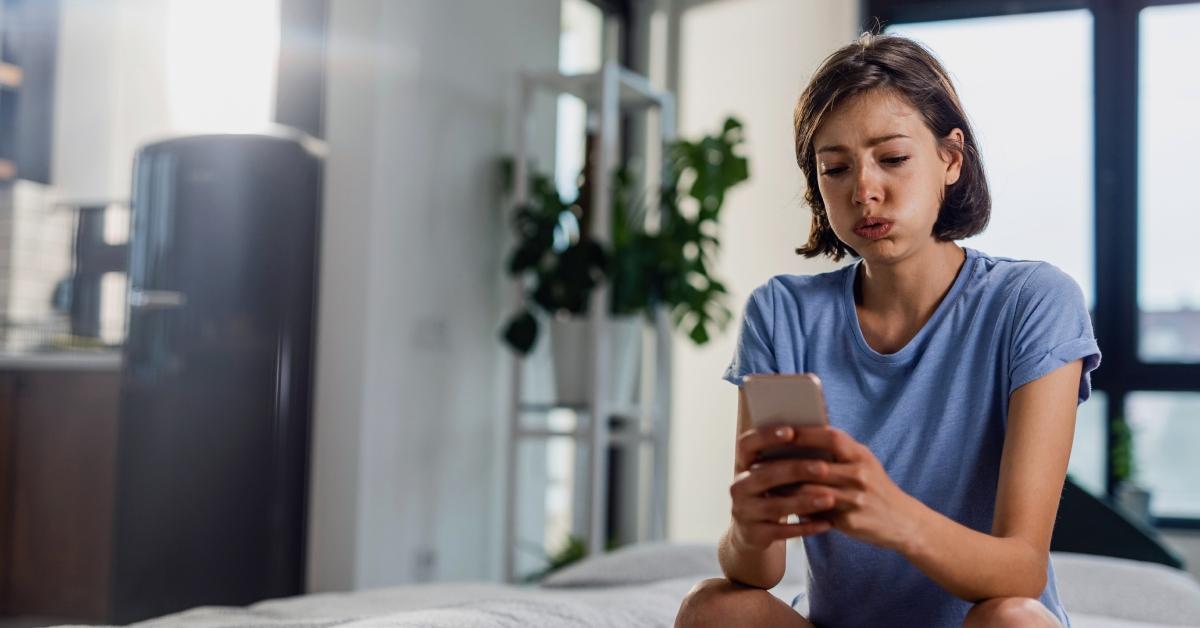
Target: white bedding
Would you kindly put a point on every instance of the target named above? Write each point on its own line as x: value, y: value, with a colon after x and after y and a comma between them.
x: 643, y: 587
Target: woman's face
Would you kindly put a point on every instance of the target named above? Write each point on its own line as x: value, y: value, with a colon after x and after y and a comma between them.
x: 877, y: 161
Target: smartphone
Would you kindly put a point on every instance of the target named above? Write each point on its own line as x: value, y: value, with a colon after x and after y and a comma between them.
x: 795, y: 400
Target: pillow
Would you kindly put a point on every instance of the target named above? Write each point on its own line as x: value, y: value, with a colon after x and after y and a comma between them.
x: 662, y: 560
x: 1088, y: 585
x: 1126, y: 589
x: 637, y: 564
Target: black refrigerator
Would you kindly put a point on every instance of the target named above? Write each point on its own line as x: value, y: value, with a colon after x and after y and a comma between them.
x: 216, y: 399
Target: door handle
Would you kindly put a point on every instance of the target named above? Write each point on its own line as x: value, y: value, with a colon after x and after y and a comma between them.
x: 156, y: 299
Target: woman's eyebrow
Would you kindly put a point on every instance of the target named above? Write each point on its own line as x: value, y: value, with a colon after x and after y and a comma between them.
x: 871, y: 142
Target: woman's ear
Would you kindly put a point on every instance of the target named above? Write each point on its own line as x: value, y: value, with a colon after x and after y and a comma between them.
x: 954, y: 165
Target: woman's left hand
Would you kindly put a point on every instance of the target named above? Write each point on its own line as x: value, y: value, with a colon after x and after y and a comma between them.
x: 867, y: 505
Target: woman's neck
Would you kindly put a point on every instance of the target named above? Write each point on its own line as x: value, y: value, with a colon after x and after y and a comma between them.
x: 911, y: 288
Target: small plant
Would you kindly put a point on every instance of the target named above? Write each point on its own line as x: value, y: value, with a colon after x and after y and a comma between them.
x: 562, y: 268
x: 1124, y: 469
x: 666, y: 263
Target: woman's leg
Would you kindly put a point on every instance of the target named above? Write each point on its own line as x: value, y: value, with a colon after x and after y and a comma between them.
x: 719, y: 602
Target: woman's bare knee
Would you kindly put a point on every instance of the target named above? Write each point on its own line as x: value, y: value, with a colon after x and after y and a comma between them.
x: 720, y: 602
x: 1010, y: 611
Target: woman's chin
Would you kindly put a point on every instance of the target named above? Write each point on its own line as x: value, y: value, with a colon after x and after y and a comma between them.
x: 883, y: 250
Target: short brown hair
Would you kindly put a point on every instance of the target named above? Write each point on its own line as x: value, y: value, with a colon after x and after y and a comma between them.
x: 906, y: 68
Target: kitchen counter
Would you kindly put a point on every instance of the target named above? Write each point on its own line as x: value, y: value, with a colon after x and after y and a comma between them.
x: 61, y: 361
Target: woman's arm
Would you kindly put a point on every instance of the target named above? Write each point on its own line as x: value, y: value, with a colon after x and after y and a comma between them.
x: 1011, y: 561
x: 758, y: 568
x: 972, y: 565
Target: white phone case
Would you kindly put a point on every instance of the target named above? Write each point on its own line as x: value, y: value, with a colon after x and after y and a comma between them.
x: 794, y: 399
x: 787, y: 399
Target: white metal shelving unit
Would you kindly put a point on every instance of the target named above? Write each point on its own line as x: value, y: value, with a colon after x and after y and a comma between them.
x: 607, y: 92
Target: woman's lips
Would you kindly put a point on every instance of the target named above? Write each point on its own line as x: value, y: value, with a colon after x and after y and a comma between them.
x: 874, y: 232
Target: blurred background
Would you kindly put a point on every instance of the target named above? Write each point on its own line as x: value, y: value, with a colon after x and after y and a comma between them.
x: 258, y: 277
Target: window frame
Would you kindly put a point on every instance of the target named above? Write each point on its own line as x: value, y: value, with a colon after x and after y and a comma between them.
x: 1115, y: 132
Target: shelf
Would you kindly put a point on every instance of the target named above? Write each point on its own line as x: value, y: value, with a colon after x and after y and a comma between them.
x: 641, y: 513
x: 579, y: 408
x: 635, y: 91
x: 623, y: 437
x: 550, y: 406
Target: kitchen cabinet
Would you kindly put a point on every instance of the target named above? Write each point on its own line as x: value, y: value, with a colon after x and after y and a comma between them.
x: 58, y: 435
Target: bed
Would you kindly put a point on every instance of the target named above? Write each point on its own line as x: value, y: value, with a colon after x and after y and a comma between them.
x: 643, y: 585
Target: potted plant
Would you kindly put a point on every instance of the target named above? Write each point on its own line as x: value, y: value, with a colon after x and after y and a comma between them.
x: 558, y: 267
x: 653, y: 261
x: 1132, y: 497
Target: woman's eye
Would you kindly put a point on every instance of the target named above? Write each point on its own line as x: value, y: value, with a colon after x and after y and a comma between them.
x: 891, y: 161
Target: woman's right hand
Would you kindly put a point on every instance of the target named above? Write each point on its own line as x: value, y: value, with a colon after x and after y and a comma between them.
x: 759, y: 517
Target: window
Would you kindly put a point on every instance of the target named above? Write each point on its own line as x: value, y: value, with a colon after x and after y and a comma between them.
x: 1168, y: 131
x: 580, y: 49
x: 1123, y: 156
x: 1089, y: 451
x: 1031, y: 109
x: 1166, y: 428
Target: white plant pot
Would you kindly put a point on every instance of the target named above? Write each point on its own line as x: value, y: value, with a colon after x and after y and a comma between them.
x: 625, y: 335
x: 1135, y: 499
x: 570, y: 341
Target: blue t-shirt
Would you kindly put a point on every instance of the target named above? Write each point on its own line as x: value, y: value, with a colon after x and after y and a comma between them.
x: 933, y: 413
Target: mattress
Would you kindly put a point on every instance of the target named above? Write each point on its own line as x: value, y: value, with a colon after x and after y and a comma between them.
x: 643, y: 585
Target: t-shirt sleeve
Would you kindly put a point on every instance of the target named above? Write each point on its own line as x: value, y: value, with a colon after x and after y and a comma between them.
x: 1052, y: 328
x: 753, y: 353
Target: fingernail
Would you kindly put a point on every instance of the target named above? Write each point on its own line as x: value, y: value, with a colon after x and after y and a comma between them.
x: 784, y: 432
x: 814, y: 467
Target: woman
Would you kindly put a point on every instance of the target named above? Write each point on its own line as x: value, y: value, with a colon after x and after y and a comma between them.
x: 951, y: 378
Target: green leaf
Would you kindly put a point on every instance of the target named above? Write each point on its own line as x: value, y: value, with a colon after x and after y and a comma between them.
x: 521, y: 332
x: 645, y: 269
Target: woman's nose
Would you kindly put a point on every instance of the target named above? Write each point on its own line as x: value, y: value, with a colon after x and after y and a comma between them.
x: 866, y: 185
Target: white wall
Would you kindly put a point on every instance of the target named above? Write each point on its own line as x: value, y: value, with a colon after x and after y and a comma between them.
x: 110, y: 94
x: 134, y: 71
x: 749, y: 58
x: 410, y: 412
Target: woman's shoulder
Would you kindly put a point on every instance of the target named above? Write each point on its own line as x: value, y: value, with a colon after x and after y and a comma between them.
x: 1026, y: 281
x: 1025, y: 277
x: 795, y: 287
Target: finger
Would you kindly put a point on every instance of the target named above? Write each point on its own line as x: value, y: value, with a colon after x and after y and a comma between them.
x: 764, y: 476
x: 803, y: 505
x: 847, y: 498
x: 752, y: 441
x: 790, y: 530
x: 847, y: 474
x: 842, y: 445
x: 773, y: 509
